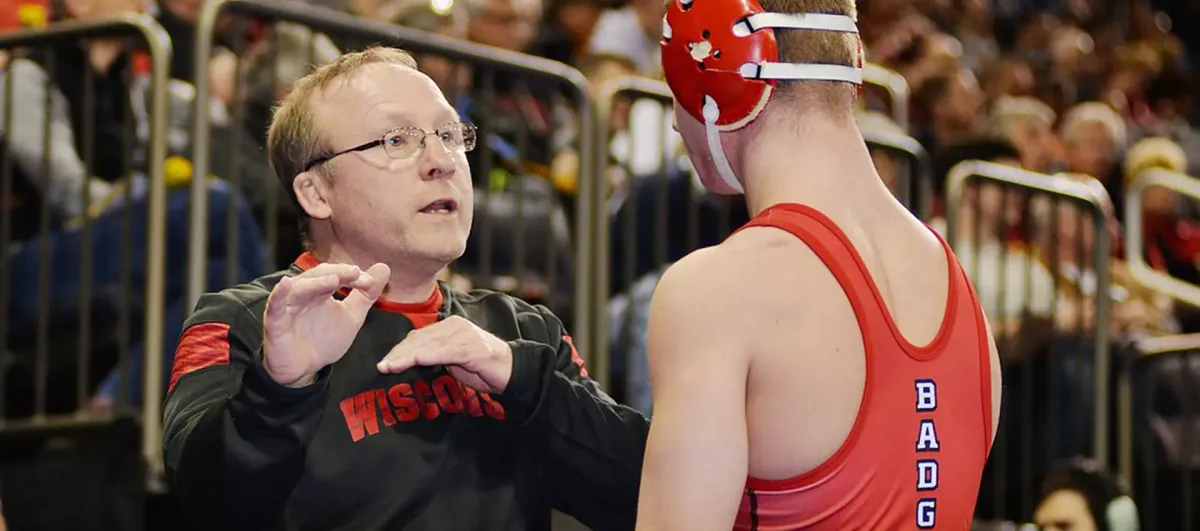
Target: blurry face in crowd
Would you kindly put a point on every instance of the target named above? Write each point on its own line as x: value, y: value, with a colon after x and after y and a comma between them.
x: 508, y: 24
x: 1035, y: 35
x: 1159, y: 201
x: 187, y: 10
x: 92, y: 9
x: 965, y: 100
x: 977, y: 13
x: 990, y: 199
x: 599, y: 75
x: 579, y: 17
x: 1014, y: 78
x: 376, y: 203
x: 1034, y: 140
x: 1064, y: 510
x: 1091, y: 151
x: 453, y: 78
x: 961, y: 107
x: 650, y: 14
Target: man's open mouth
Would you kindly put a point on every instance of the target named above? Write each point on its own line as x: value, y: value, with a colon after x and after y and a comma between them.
x: 441, y: 206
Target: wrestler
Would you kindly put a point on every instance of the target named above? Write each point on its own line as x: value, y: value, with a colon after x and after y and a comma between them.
x: 828, y: 365
x: 352, y: 391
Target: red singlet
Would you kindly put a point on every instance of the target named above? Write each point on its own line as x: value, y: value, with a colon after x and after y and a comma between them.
x: 915, y: 456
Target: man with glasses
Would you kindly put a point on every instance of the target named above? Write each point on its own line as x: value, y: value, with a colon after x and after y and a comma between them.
x: 353, y: 391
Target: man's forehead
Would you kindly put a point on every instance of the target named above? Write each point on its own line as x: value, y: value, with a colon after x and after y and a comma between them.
x: 397, y: 91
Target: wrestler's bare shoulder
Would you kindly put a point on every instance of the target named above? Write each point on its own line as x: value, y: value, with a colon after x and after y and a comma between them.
x: 747, y: 269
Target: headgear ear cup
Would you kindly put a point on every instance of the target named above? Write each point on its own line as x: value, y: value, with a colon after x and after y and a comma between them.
x: 1121, y: 514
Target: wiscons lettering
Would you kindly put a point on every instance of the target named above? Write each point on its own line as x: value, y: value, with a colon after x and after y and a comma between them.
x: 419, y: 400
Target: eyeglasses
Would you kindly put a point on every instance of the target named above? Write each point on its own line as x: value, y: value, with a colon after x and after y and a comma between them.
x: 408, y: 141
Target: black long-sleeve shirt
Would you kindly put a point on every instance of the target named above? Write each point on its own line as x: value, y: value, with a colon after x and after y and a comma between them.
x: 417, y: 450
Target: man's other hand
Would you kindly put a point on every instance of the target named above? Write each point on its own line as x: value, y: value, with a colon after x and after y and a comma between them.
x: 306, y: 329
x: 472, y: 355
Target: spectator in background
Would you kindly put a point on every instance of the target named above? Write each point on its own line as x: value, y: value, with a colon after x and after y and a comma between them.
x: 928, y: 56
x: 1094, y: 138
x: 115, y: 152
x: 454, y: 79
x: 1079, y: 495
x: 508, y: 24
x: 109, y: 62
x: 951, y: 105
x: 976, y: 33
x: 1125, y: 87
x: 1006, y: 77
x: 1027, y: 123
x: 1172, y: 101
x: 632, y: 32
x: 567, y: 30
x: 1002, y: 273
x: 1172, y: 243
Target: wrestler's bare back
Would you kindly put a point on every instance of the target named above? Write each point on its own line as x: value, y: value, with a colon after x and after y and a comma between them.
x: 806, y: 359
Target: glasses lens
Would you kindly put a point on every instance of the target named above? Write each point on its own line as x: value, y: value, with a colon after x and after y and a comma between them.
x: 402, y: 143
x: 460, y: 136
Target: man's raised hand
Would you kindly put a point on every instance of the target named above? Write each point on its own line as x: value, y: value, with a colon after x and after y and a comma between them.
x: 306, y: 329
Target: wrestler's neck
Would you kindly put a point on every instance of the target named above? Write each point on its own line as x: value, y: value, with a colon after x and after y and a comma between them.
x: 822, y: 163
x: 409, y: 282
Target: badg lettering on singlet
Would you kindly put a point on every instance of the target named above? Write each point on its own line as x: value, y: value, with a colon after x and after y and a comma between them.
x: 927, y: 443
x: 413, y: 402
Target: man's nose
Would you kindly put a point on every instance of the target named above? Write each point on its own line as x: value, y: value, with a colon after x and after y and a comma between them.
x: 437, y: 162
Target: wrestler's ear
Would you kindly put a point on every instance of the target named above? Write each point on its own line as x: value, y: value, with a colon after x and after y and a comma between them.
x: 312, y: 190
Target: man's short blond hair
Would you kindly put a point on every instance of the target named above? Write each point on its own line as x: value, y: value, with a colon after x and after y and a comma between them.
x: 294, y: 136
x: 821, y: 47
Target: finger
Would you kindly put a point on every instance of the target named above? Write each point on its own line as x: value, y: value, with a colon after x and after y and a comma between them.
x: 306, y: 290
x: 401, y: 358
x: 276, y: 316
x: 380, y: 273
x: 346, y: 273
x: 409, y: 354
x: 367, y: 288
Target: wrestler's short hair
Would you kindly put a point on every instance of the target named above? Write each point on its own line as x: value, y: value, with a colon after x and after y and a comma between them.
x: 824, y: 47
x: 294, y: 137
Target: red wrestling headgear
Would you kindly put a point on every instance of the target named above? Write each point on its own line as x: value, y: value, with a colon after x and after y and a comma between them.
x: 720, y: 60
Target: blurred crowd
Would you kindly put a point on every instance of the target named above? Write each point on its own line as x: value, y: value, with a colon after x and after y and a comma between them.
x: 1098, y: 92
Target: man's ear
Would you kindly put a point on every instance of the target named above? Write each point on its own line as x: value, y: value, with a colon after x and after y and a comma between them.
x: 311, y: 190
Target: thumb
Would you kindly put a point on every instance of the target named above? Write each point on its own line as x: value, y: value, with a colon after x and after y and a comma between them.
x: 367, y: 288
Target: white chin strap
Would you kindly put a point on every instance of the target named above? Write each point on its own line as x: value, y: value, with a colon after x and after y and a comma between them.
x: 711, y: 114
x: 775, y: 70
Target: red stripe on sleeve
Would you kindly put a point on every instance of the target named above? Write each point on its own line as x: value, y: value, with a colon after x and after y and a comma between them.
x: 202, y: 346
x: 583, y: 373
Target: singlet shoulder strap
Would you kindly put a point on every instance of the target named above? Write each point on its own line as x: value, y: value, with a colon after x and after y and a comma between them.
x: 832, y: 247
x: 835, y: 250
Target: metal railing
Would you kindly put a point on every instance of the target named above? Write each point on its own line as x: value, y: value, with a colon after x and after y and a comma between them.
x: 1160, y: 459
x: 493, y: 70
x: 1048, y: 298
x: 1164, y: 374
x: 631, y: 88
x: 158, y: 51
x: 1135, y: 253
x: 896, y: 87
x: 916, y: 177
